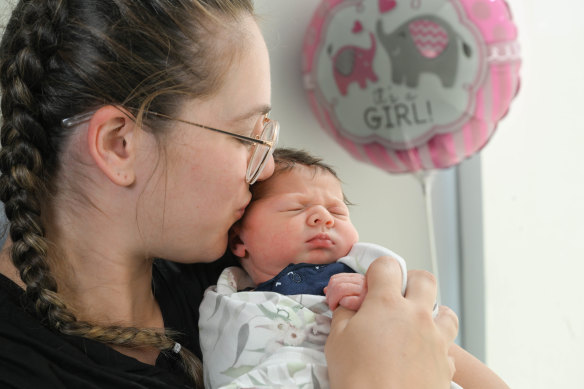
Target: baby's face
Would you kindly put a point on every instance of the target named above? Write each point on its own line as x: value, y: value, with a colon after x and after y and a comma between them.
x: 300, y: 217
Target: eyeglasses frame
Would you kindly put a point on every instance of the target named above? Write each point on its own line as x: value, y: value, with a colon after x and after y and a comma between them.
x: 78, y: 119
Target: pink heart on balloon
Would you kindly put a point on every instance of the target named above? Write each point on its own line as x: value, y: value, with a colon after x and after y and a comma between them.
x: 386, y: 5
x: 357, y: 27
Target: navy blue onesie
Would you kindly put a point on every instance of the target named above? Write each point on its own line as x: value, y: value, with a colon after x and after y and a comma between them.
x: 303, y: 278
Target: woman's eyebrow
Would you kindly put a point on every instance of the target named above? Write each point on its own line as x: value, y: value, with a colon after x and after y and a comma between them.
x: 260, y: 110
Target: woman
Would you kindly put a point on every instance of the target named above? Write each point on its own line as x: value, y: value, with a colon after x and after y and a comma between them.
x: 132, y: 131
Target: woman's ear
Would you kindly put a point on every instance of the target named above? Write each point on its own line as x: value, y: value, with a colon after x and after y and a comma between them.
x: 236, y: 245
x: 111, y: 138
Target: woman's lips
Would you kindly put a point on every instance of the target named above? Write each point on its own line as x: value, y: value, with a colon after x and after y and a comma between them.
x: 241, y: 210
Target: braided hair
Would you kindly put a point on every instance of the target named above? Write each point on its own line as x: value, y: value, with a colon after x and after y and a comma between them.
x: 59, y: 58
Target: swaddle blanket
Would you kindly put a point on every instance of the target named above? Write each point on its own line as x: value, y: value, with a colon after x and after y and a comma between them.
x: 265, y: 339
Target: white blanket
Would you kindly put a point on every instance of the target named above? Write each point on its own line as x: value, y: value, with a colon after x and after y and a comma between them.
x: 268, y: 340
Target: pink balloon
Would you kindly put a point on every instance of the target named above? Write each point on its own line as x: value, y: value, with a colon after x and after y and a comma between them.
x: 413, y: 84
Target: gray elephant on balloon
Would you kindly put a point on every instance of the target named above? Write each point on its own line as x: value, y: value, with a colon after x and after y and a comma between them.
x: 425, y: 44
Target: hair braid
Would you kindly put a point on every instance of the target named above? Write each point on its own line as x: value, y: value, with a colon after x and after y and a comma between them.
x: 24, y: 142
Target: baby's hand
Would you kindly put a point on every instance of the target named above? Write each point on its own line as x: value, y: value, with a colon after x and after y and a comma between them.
x: 347, y: 290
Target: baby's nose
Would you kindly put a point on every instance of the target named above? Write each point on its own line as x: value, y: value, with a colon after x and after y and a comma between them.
x: 320, y: 216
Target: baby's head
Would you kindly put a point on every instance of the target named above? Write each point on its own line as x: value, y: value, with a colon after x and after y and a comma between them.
x: 299, y: 214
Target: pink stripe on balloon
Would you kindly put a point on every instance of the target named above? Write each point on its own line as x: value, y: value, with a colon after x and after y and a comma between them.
x: 467, y: 135
x: 458, y: 142
x: 434, y: 152
x: 480, y: 129
x: 380, y: 157
x: 450, y: 149
x: 507, y: 93
x: 439, y: 155
x: 486, y: 100
x: 497, y: 90
x: 424, y: 153
x: 410, y: 159
x: 394, y: 157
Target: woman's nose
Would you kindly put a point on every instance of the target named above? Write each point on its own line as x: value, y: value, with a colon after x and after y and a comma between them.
x: 320, y: 216
x: 268, y: 170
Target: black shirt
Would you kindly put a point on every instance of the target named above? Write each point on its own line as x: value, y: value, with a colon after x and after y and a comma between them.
x: 33, y: 356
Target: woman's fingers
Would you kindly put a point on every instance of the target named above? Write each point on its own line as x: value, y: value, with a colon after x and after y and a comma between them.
x: 447, y: 323
x: 341, y: 318
x: 384, y: 279
x: 422, y: 288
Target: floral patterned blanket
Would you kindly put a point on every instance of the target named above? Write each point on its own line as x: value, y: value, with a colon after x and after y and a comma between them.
x: 265, y: 339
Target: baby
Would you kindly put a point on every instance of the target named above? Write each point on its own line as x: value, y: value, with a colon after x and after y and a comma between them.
x: 297, y: 222
x: 296, y: 238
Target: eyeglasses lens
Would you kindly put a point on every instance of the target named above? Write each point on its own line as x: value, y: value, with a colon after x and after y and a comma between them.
x: 261, y: 153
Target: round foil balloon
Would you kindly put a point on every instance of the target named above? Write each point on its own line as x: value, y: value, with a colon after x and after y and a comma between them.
x: 411, y: 85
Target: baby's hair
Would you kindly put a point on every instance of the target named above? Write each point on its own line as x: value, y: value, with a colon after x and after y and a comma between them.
x: 60, y: 58
x: 286, y: 158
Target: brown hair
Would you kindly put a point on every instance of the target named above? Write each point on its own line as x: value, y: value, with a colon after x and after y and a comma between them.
x: 285, y: 159
x: 59, y: 58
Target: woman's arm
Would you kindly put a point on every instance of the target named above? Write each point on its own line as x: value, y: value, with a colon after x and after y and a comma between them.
x: 392, y: 341
x: 472, y: 373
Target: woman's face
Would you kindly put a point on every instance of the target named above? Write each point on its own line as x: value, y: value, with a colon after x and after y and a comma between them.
x: 199, y: 188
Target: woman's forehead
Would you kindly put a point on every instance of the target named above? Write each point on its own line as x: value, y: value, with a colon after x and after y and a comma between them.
x: 246, y: 90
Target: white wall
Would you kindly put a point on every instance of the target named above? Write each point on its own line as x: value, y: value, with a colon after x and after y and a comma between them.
x: 533, y: 182
x: 532, y: 192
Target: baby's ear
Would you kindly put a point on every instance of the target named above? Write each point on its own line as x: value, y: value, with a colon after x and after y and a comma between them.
x: 236, y: 245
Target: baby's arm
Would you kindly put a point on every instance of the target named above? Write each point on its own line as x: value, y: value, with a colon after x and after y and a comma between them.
x: 347, y: 290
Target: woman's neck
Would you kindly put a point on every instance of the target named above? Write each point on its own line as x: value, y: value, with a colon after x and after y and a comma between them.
x: 108, y: 287
x: 100, y: 284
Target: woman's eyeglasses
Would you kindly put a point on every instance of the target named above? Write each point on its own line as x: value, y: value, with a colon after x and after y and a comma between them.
x: 262, y: 144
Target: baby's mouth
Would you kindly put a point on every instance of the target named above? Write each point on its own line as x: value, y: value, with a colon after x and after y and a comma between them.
x: 321, y: 240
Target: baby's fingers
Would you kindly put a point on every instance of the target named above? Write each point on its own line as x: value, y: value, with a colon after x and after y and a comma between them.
x: 345, y: 285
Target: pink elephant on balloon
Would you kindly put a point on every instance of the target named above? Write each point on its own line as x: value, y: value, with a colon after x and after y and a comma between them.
x: 354, y: 64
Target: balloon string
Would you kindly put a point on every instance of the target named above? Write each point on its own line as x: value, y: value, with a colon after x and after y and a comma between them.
x: 426, y: 180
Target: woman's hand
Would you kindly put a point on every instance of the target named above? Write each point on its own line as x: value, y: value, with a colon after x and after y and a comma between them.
x: 392, y: 341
